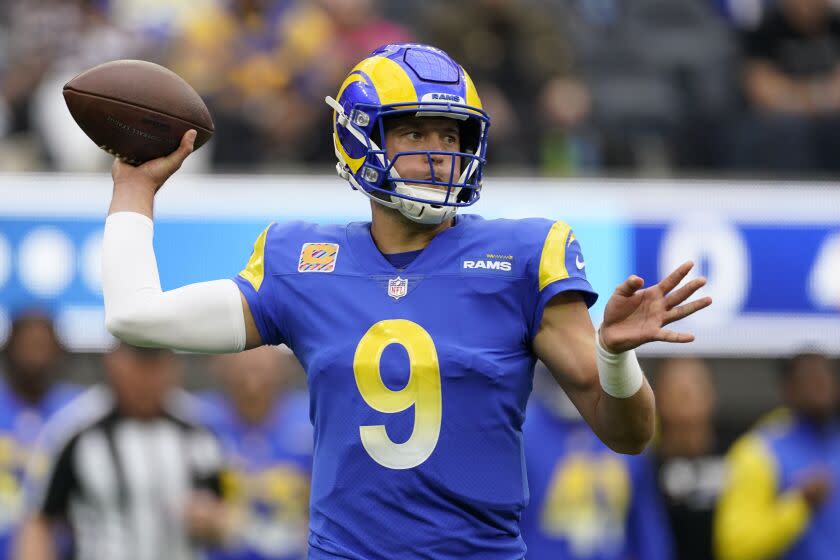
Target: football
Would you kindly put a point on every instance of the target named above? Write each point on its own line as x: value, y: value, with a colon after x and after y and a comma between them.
x: 136, y: 110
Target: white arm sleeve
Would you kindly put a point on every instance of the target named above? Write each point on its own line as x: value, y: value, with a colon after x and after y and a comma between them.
x: 203, y: 317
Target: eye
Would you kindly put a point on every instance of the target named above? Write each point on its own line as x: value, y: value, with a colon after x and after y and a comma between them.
x: 450, y: 139
x: 414, y: 135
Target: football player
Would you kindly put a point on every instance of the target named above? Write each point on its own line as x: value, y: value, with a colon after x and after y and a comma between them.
x: 418, y: 330
x: 31, y: 392
x: 587, y: 502
x: 266, y: 437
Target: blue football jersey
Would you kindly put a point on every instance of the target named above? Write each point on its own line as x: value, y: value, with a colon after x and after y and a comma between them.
x: 266, y: 479
x: 20, y: 456
x: 418, y: 377
x: 588, y: 502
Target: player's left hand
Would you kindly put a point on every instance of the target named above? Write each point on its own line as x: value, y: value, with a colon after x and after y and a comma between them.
x: 635, y: 315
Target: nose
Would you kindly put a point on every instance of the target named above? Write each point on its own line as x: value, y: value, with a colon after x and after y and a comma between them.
x: 436, y: 144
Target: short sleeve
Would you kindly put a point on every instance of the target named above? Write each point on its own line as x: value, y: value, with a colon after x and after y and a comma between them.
x: 559, y: 267
x: 254, y: 283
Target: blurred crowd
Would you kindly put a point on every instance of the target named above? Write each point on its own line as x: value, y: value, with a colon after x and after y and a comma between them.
x: 134, y: 467
x: 640, y: 87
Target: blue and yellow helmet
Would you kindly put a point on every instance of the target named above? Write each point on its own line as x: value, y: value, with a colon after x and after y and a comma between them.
x: 409, y: 79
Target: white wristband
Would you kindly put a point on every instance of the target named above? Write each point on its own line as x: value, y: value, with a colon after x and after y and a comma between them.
x: 620, y: 374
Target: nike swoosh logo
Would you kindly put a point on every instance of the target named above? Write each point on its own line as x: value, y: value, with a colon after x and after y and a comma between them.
x: 579, y: 263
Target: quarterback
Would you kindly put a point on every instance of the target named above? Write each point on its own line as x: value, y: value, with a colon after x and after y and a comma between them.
x: 418, y: 330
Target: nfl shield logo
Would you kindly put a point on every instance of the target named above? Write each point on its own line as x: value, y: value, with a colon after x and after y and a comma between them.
x: 397, y: 287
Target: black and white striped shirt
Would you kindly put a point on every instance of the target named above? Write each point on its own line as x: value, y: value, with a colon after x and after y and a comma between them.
x: 121, y: 483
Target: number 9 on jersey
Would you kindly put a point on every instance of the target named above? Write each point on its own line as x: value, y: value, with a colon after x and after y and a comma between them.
x: 422, y: 391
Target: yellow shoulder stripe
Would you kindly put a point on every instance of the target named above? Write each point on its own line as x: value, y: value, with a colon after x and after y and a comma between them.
x: 553, y: 258
x: 254, y: 271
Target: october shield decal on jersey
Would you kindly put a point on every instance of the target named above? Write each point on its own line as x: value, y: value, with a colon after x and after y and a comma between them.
x: 318, y: 257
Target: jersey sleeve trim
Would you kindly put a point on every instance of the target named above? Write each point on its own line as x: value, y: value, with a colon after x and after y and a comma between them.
x: 62, y: 482
x: 254, y: 271
x: 572, y: 284
x: 553, y: 257
x: 257, y: 312
x: 259, y: 294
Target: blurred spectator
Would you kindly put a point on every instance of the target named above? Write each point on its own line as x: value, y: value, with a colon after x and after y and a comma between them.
x: 690, y: 462
x: 742, y: 13
x: 157, y: 20
x: 519, y: 59
x: 358, y: 28
x: 781, y: 498
x: 230, y: 54
x: 29, y: 395
x: 587, y: 502
x: 265, y: 66
x: 130, y: 473
x: 325, y: 39
x: 263, y: 425
x: 660, y: 73
x: 49, y: 42
x: 791, y: 78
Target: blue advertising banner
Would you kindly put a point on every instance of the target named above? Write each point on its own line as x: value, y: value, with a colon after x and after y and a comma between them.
x: 771, y: 254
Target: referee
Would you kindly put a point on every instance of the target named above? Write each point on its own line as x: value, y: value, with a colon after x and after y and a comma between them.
x: 131, y: 476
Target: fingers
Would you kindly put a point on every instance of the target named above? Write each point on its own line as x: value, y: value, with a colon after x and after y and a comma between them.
x: 630, y: 286
x: 673, y: 336
x: 185, y: 148
x: 683, y: 311
x: 672, y: 280
x: 684, y: 293
x: 115, y: 168
x: 163, y: 168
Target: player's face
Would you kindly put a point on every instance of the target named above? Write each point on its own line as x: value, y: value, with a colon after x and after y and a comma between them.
x: 408, y: 134
x: 252, y: 379
x: 34, y: 354
x: 141, y: 382
x: 685, y: 395
x: 812, y: 389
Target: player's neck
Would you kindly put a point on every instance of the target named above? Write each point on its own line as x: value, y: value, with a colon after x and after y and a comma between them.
x: 692, y: 440
x: 394, y: 233
x: 30, y: 392
x: 253, y: 414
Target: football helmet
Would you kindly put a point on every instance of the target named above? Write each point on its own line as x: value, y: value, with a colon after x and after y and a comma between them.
x: 416, y: 80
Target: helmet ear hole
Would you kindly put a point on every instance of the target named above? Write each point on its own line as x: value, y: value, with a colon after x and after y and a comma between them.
x: 470, y: 135
x: 381, y: 127
x: 376, y: 137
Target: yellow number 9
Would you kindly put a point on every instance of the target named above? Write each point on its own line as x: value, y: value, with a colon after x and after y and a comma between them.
x: 422, y: 391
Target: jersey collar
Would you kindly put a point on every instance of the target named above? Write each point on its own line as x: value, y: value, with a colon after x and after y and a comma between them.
x: 443, y: 246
